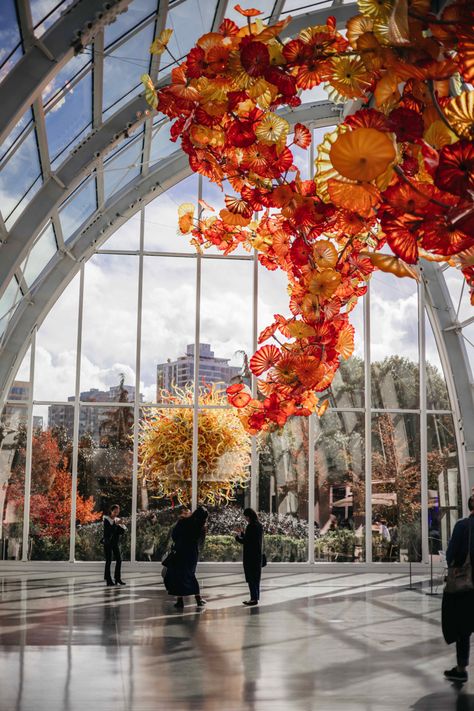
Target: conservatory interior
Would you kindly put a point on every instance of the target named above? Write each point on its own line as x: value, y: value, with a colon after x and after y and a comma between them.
x: 236, y: 270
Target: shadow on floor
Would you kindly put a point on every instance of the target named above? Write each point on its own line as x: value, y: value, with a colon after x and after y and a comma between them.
x: 454, y: 699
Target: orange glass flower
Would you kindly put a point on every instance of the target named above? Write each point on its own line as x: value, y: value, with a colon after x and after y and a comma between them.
x: 363, y: 154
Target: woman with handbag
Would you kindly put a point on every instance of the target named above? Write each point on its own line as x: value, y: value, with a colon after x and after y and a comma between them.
x: 458, y: 596
x: 254, y: 559
x: 188, y: 537
x: 114, y: 529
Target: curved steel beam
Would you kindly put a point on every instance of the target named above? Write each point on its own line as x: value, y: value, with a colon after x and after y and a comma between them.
x: 95, y: 147
x: 456, y: 362
x: 47, y: 55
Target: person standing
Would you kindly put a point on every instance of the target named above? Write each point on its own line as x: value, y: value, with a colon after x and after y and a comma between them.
x: 188, y: 537
x: 458, y: 607
x: 114, y: 529
x: 252, y: 541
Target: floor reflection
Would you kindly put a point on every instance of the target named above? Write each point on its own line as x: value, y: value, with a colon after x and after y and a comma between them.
x: 317, y: 641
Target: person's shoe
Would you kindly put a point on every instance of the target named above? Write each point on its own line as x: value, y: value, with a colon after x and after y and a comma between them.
x: 455, y: 675
x: 120, y: 582
x: 110, y: 583
x: 250, y: 603
x: 201, y: 602
x: 179, y: 605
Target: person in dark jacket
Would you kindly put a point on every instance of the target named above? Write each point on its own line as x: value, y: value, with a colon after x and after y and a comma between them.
x: 188, y: 537
x: 252, y: 541
x: 113, y: 530
x: 458, y: 608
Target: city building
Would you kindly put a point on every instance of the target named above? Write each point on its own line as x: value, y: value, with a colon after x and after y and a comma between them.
x: 90, y: 417
x: 180, y: 372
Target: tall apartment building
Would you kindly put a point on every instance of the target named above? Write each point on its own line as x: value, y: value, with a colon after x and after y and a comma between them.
x: 180, y: 372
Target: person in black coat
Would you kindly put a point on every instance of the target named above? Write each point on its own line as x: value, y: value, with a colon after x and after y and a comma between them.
x: 188, y: 537
x: 252, y: 541
x: 113, y: 530
x: 458, y: 608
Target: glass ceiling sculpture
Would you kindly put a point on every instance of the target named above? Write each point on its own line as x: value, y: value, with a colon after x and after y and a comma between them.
x: 399, y: 173
x: 86, y: 138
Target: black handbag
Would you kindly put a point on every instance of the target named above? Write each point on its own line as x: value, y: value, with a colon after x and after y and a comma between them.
x: 264, y: 560
x: 459, y: 577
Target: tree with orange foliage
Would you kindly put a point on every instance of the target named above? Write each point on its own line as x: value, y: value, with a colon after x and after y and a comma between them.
x: 50, y: 501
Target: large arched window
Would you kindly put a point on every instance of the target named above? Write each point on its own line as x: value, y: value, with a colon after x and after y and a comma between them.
x: 376, y: 478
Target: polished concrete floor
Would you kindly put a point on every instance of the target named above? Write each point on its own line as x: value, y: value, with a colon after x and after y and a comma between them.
x: 319, y: 641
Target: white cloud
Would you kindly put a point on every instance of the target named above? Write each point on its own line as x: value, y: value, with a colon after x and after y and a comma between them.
x: 394, y: 317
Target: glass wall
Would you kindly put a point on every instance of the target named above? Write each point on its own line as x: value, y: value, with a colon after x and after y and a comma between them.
x: 115, y: 416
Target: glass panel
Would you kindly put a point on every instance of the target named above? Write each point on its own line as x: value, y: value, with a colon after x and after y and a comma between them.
x: 109, y: 331
x: 20, y: 388
x: 300, y: 7
x: 51, y: 482
x: 127, y: 237
x: 226, y: 318
x: 47, y: 11
x: 396, y: 487
x: 23, y: 372
x: 9, y: 62
x: 459, y: 293
x: 188, y: 20
x: 123, y: 167
x: 69, y: 117
x: 12, y: 477
x: 339, y: 464
x: 161, y: 144
x: 348, y: 387
x: 14, y: 134
x: 156, y: 514
x: 29, y: 195
x: 444, y: 482
x: 10, y: 36
x: 137, y: 11
x: 317, y: 93
x: 394, y: 342
x: 168, y: 325
x: 272, y: 297
x: 223, y: 476
x: 19, y: 174
x: 104, y: 474
x: 283, y: 490
x: 436, y: 391
x: 40, y: 255
x: 301, y: 160
x: 56, y: 340
x: 10, y: 296
x: 80, y: 206
x: 62, y: 81
x: 127, y: 62
x: 468, y: 334
x: 161, y: 218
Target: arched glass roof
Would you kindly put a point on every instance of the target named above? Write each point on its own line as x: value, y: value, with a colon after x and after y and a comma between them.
x: 80, y: 153
x: 98, y: 88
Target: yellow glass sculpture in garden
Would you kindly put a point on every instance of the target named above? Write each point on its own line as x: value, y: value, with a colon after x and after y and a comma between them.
x: 166, y: 446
